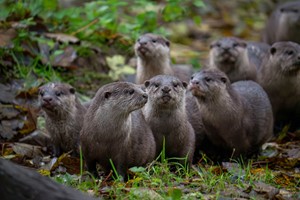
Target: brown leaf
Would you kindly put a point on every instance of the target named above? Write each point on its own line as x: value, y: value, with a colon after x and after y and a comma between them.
x: 6, y: 37
x: 27, y: 150
x: 65, y: 58
x: 61, y: 37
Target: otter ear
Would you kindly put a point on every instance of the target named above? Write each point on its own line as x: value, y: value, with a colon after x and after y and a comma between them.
x: 147, y: 83
x: 224, y: 80
x: 243, y: 44
x: 184, y: 84
x: 72, y: 90
x: 107, y: 95
x: 273, y: 50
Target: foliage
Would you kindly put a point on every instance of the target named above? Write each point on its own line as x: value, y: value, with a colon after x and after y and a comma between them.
x: 111, y: 25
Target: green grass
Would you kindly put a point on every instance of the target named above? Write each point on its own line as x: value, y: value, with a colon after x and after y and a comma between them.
x: 162, y: 179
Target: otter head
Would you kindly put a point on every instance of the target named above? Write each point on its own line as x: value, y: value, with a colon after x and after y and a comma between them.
x: 285, y: 57
x: 57, y: 98
x: 165, y: 91
x: 150, y: 45
x: 226, y: 52
x: 290, y: 13
x: 122, y: 96
x: 208, y: 84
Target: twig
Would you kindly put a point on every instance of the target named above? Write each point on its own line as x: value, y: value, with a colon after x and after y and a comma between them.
x: 86, y: 26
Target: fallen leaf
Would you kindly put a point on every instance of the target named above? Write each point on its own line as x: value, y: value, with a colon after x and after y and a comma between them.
x: 27, y: 150
x: 61, y: 37
x: 6, y: 37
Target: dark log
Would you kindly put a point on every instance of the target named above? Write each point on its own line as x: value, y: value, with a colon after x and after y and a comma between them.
x: 19, y: 183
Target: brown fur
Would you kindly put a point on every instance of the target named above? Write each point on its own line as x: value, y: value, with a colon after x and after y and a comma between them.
x: 114, y: 128
x: 165, y: 112
x: 283, y: 24
x: 230, y: 56
x: 64, y: 115
x: 195, y: 119
x: 280, y: 78
x: 237, y: 118
x: 153, y: 58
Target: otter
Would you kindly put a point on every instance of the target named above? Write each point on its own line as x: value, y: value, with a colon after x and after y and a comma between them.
x: 165, y: 112
x: 115, y: 128
x: 153, y: 58
x: 283, y: 24
x: 280, y: 78
x: 230, y: 55
x: 195, y: 119
x: 63, y: 114
x: 257, y: 51
x: 237, y: 117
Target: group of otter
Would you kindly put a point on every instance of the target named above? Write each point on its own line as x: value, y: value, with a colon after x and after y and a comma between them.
x: 226, y: 110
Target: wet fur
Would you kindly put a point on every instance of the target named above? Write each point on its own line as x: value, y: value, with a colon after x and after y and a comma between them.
x: 283, y: 24
x: 64, y: 117
x: 237, y: 117
x: 280, y: 77
x: 153, y: 58
x: 114, y: 128
x: 167, y: 117
x: 230, y: 55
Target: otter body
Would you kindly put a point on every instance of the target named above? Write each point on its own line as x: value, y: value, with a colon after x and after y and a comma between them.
x: 165, y: 112
x: 64, y: 116
x: 237, y: 118
x: 280, y: 78
x: 230, y: 55
x: 153, y: 58
x: 283, y: 24
x: 114, y: 128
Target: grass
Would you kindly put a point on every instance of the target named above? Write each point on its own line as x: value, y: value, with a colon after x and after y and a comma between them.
x: 163, y: 179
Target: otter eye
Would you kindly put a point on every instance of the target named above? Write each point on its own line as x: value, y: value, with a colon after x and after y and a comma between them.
x: 42, y: 93
x: 218, y: 45
x: 131, y: 91
x: 153, y: 41
x: 235, y: 44
x: 207, y: 79
x: 156, y: 85
x: 192, y: 77
x: 58, y: 93
x: 289, y: 52
x: 175, y: 84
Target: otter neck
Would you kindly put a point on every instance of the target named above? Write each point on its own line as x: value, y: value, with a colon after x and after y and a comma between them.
x: 148, y: 68
x: 155, y: 111
x: 115, y: 123
x: 226, y: 104
x: 63, y: 113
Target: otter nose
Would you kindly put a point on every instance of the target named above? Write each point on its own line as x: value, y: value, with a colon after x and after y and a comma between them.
x: 47, y: 99
x: 226, y: 48
x: 145, y: 96
x: 195, y: 82
x: 166, y: 89
x: 143, y: 43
